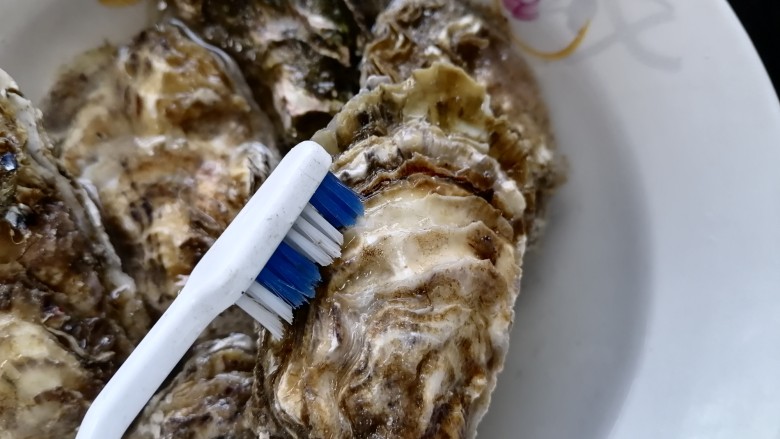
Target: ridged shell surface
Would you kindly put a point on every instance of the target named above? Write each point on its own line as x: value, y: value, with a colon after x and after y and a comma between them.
x: 409, y: 331
x: 169, y: 143
x: 172, y: 145
x: 412, y: 34
x: 69, y: 315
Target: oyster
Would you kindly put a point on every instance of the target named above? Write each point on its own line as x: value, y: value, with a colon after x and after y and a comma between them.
x: 171, y: 147
x: 411, y: 34
x: 299, y: 56
x: 69, y: 315
x: 410, y: 329
x: 165, y: 143
x: 208, y: 397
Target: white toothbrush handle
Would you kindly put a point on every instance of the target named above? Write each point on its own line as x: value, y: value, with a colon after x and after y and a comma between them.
x: 138, y: 378
x: 218, y: 281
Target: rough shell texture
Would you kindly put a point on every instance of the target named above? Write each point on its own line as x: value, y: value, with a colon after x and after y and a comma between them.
x: 162, y: 133
x: 300, y: 57
x: 208, y: 397
x: 68, y: 314
x: 171, y: 147
x: 409, y: 331
x: 411, y: 34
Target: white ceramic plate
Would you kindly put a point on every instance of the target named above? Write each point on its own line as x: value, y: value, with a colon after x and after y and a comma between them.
x: 652, y: 310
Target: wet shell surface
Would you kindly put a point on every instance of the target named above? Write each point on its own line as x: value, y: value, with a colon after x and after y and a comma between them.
x: 208, y: 397
x: 300, y: 57
x: 156, y: 145
x: 170, y: 146
x: 409, y: 331
x: 412, y: 34
x: 69, y: 315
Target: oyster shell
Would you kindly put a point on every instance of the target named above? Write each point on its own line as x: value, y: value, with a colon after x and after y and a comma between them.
x: 299, y: 56
x: 164, y: 132
x: 208, y: 397
x: 171, y: 147
x: 69, y: 315
x: 410, y: 329
x: 411, y: 34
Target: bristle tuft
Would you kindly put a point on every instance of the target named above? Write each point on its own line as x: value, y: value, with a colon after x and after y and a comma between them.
x: 291, y: 275
x: 336, y: 202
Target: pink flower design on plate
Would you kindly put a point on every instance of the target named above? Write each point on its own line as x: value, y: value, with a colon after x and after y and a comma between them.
x: 525, y: 10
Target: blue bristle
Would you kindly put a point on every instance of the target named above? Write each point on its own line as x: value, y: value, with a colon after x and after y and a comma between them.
x: 337, y: 203
x: 304, y: 267
x: 290, y: 276
x: 327, y: 208
x: 342, y: 196
x: 285, y: 290
x: 294, y: 282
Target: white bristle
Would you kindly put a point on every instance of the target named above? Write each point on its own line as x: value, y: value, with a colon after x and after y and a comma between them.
x: 315, y: 236
x: 219, y: 280
x: 268, y: 319
x: 307, y: 248
x: 313, y: 217
x: 270, y: 301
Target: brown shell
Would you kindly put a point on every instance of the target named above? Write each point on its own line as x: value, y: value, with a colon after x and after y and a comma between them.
x: 208, y: 397
x: 69, y: 315
x: 409, y: 331
x: 300, y: 57
x: 411, y: 34
x: 410, y: 328
x: 170, y: 145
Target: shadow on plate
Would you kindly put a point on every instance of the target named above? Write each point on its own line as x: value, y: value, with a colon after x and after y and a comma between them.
x: 581, y: 314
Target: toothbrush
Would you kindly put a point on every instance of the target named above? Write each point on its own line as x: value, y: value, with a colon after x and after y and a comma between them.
x: 264, y: 262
